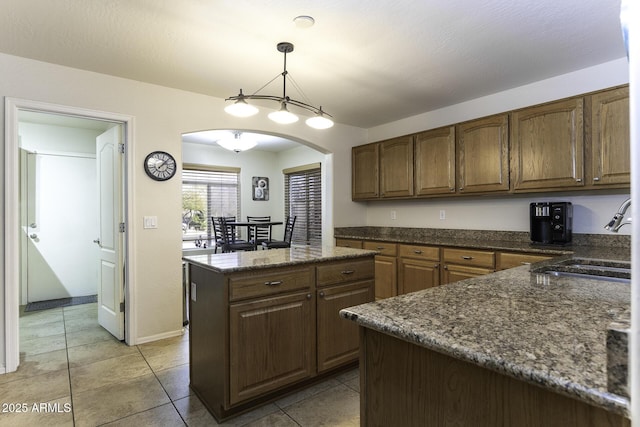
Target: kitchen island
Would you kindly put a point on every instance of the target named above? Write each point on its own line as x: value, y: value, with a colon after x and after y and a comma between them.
x: 510, y: 348
x: 265, y: 323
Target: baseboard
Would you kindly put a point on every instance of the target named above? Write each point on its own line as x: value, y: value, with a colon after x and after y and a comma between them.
x: 151, y: 338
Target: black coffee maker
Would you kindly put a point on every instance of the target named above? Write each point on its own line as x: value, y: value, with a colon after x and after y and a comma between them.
x: 551, y: 222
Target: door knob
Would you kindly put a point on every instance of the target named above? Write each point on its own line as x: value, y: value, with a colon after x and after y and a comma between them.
x: 33, y: 236
x: 33, y: 225
x: 96, y: 241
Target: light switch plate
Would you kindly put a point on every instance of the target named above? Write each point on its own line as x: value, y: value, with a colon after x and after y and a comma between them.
x: 150, y: 222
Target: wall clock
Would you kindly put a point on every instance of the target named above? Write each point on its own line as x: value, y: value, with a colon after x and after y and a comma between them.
x: 160, y: 165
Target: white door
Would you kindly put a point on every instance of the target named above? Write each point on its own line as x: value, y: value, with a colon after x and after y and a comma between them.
x: 61, y: 222
x: 110, y: 239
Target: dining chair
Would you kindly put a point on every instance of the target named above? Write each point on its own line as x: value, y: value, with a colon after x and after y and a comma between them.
x: 218, y: 231
x: 262, y: 232
x: 288, y: 235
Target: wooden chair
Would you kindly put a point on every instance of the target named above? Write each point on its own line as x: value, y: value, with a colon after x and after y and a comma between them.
x: 228, y: 237
x: 288, y: 235
x: 217, y: 231
x: 263, y: 233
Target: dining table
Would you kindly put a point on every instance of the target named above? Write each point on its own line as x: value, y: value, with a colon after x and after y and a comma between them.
x: 254, y: 225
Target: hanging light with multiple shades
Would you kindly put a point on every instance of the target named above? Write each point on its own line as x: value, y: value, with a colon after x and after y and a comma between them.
x: 240, y: 108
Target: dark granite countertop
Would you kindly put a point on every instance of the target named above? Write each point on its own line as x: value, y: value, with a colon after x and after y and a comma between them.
x: 255, y: 260
x: 548, y: 331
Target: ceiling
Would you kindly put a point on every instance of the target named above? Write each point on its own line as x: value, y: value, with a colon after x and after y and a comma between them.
x: 366, y: 62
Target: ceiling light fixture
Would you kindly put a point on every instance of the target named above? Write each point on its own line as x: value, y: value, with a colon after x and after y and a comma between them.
x: 237, y: 143
x: 240, y: 108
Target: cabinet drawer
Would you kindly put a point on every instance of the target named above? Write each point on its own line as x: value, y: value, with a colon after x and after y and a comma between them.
x: 509, y: 260
x: 261, y: 283
x: 419, y: 252
x: 349, y: 243
x: 389, y: 249
x: 345, y: 271
x: 469, y: 257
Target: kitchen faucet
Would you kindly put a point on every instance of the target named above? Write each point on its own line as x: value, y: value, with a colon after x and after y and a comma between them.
x: 616, y: 222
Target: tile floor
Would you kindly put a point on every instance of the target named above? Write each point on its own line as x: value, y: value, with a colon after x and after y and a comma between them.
x: 73, y: 373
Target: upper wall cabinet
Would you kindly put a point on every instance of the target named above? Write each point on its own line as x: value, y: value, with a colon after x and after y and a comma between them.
x: 365, y: 182
x: 483, y: 155
x: 435, y: 161
x: 547, y: 146
x: 608, y: 128
x: 396, y: 167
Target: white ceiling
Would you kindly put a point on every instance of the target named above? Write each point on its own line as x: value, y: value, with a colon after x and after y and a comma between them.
x: 366, y: 62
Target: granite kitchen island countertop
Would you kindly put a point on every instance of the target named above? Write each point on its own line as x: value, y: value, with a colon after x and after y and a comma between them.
x: 546, y: 331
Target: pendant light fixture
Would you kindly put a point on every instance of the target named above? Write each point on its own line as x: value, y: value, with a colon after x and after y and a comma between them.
x: 240, y: 108
x: 237, y: 143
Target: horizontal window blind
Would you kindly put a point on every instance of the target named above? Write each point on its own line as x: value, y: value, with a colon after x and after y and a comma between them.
x: 207, y: 193
x: 303, y: 199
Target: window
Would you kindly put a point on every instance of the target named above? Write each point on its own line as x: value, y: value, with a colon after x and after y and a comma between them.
x: 207, y: 192
x: 303, y: 198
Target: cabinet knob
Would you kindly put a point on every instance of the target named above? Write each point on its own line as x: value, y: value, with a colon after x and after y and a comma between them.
x: 452, y: 189
x: 445, y: 267
x: 436, y: 266
x: 461, y: 188
x: 321, y: 294
x: 596, y: 178
x: 578, y: 179
x: 308, y: 296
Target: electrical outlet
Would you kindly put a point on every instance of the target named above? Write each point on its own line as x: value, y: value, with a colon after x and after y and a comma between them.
x: 393, y: 215
x: 442, y: 214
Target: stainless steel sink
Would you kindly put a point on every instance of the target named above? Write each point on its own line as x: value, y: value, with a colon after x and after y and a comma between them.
x: 587, y: 268
x: 587, y: 276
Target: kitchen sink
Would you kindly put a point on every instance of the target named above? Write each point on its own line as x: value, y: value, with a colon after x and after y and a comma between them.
x: 587, y: 268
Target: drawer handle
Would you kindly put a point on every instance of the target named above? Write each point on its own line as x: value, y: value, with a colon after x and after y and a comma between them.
x: 380, y: 248
x: 274, y: 283
x: 467, y: 257
x: 347, y: 271
x: 525, y: 263
x: 417, y: 251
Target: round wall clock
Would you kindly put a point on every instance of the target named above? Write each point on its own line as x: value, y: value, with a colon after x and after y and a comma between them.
x: 160, y: 165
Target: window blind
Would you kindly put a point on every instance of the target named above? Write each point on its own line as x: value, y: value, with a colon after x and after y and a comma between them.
x: 208, y: 192
x: 303, y: 198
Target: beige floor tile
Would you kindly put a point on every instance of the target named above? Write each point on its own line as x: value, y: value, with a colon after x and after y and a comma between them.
x: 165, y: 416
x: 116, y: 401
x: 94, y: 352
x: 56, y: 413
x: 277, y: 419
x: 339, y: 406
x: 175, y: 381
x: 91, y: 307
x: 43, y: 344
x: 32, y: 318
x: 194, y: 413
x: 41, y: 330
x: 37, y: 389
x: 307, y: 393
x: 80, y: 323
x: 107, y: 372
x: 89, y: 335
x: 37, y: 364
x: 165, y: 354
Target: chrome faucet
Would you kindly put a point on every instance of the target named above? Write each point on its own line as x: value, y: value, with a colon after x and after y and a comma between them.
x: 616, y: 222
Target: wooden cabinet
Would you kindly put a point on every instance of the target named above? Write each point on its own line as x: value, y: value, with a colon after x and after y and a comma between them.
x: 435, y: 162
x: 609, y: 133
x: 365, y: 179
x: 505, y: 260
x: 483, y: 155
x: 349, y: 243
x: 396, y: 167
x: 419, y: 268
x: 386, y: 267
x: 460, y: 264
x: 547, y: 146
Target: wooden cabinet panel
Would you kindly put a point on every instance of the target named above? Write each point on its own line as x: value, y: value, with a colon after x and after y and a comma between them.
x: 452, y: 272
x: 431, y: 253
x: 261, y: 283
x: 272, y: 343
x: 396, y: 167
x: 610, y: 136
x: 385, y: 273
x: 547, y: 146
x: 383, y: 248
x: 483, y: 155
x: 338, y: 341
x: 435, y: 162
x: 469, y: 257
x: 343, y: 271
x: 349, y: 243
x: 365, y: 179
x: 416, y: 275
x: 505, y: 260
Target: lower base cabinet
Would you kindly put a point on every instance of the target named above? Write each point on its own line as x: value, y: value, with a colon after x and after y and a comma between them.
x: 256, y: 335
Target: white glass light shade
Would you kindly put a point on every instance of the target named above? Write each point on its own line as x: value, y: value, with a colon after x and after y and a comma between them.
x: 237, y: 143
x: 240, y: 108
x: 319, y: 122
x: 283, y: 116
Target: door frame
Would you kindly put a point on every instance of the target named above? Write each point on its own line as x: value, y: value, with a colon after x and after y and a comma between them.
x: 12, y: 216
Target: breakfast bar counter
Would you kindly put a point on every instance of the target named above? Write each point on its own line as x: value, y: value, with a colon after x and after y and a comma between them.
x: 501, y: 347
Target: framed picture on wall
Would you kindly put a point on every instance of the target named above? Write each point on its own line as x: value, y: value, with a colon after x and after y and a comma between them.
x: 260, y: 186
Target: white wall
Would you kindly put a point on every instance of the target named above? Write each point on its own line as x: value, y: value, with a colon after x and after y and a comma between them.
x: 510, y: 213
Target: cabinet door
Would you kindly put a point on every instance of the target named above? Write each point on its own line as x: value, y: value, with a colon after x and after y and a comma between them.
x: 483, y: 155
x: 452, y: 272
x: 610, y: 147
x: 349, y: 243
x: 364, y: 172
x: 396, y: 167
x: 272, y: 343
x: 435, y: 162
x: 416, y: 275
x: 547, y: 146
x: 338, y: 339
x: 386, y: 282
